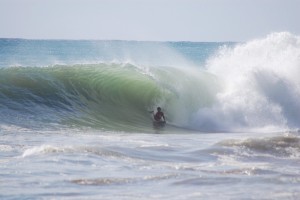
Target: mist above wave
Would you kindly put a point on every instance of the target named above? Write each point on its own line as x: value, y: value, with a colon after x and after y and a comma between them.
x: 260, y: 86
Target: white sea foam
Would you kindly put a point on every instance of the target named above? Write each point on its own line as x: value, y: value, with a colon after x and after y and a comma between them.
x: 42, y: 149
x: 260, y: 86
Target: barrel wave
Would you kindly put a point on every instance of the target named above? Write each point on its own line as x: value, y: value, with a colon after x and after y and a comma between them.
x: 208, y: 87
x: 103, y: 96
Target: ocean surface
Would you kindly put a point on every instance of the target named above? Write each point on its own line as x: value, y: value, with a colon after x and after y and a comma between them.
x: 75, y: 119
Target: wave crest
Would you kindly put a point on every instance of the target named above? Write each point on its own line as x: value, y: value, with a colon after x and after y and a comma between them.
x: 261, y: 87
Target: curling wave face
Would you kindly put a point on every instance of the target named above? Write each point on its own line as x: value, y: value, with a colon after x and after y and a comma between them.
x: 105, y: 96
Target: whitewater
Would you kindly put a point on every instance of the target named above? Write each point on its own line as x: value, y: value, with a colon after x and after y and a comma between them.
x: 76, y: 122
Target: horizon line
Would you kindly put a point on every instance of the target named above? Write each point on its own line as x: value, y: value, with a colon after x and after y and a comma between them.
x: 126, y: 40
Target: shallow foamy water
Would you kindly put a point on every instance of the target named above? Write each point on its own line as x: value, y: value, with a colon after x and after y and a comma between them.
x: 81, y: 164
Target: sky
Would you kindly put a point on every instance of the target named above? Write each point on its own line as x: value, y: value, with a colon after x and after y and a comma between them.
x: 148, y: 20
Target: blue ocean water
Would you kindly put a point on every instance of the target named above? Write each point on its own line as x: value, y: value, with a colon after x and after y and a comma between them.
x: 21, y: 52
x: 75, y: 119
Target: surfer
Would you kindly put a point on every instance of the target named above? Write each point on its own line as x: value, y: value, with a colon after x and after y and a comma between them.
x: 159, y: 115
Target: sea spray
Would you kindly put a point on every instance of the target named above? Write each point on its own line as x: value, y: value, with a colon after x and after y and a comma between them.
x: 260, y: 86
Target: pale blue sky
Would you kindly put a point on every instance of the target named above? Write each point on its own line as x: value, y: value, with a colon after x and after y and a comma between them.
x: 160, y: 20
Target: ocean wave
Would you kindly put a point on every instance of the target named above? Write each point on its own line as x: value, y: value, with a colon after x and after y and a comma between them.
x: 284, y: 146
x: 106, y: 96
x: 260, y: 86
x: 251, y: 86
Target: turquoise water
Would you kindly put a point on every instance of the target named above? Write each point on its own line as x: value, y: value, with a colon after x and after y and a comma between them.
x: 75, y: 121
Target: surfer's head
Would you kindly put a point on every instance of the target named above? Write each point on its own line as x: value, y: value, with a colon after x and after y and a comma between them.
x: 158, y: 109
